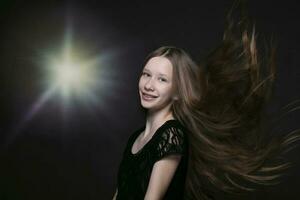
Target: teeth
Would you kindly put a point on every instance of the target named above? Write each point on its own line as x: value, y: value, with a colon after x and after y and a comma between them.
x: 148, y: 96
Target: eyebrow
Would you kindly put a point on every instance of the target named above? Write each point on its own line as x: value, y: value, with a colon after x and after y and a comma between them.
x: 163, y: 75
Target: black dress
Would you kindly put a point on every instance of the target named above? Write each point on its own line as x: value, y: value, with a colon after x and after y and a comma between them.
x: 135, y: 169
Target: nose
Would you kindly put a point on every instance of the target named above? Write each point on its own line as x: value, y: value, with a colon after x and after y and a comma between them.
x: 149, y: 85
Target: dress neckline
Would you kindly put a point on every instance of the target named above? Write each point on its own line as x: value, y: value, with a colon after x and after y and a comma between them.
x: 151, y: 139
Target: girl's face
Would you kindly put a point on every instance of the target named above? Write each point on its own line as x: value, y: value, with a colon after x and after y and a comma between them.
x: 155, y: 85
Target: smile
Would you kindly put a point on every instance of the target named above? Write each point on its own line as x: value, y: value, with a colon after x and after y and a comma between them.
x: 148, y: 97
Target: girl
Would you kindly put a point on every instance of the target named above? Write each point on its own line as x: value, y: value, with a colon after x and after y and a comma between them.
x: 203, y: 126
x: 155, y: 159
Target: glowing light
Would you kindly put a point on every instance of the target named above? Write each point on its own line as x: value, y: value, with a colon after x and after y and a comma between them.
x: 70, y: 76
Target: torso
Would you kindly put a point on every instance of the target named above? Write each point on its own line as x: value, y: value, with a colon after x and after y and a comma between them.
x: 140, y: 143
x: 138, y: 159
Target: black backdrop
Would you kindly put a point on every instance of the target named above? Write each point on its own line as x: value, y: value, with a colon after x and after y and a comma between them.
x: 72, y: 151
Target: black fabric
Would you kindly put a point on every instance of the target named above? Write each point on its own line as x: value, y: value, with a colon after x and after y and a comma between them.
x: 135, y: 169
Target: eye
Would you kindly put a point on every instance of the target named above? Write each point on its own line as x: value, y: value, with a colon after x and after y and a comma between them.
x: 162, y: 79
x: 146, y: 74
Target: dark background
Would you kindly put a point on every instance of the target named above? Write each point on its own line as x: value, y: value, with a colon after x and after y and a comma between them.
x: 75, y: 154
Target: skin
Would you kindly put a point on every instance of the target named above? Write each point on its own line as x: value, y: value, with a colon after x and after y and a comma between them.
x: 115, y: 195
x: 156, y: 86
x: 157, y: 80
x: 156, y: 95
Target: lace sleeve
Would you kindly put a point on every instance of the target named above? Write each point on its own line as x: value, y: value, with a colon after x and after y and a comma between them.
x: 171, y: 141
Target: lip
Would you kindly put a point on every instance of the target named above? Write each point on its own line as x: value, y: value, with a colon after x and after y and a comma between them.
x: 148, y: 97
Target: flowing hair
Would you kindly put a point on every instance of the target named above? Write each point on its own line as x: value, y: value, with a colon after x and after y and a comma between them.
x: 221, y: 103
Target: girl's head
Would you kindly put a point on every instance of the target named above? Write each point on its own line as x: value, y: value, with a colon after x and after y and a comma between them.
x: 170, y: 78
x: 156, y: 84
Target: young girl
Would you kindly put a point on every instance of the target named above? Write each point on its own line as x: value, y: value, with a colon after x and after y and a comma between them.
x: 156, y: 156
x: 203, y: 126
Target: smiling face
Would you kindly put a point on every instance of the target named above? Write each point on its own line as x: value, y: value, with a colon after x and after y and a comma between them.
x: 155, y: 85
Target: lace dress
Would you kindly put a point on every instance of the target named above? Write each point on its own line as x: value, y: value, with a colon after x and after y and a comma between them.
x: 135, y: 169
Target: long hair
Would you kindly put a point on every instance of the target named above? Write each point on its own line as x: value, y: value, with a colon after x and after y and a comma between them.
x: 221, y: 102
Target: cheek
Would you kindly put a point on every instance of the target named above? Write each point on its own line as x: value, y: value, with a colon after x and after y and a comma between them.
x: 168, y: 92
x: 140, y: 83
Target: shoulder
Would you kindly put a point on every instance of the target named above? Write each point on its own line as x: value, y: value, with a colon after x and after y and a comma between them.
x: 172, y: 139
x: 173, y: 129
x: 136, y: 133
x: 132, y: 137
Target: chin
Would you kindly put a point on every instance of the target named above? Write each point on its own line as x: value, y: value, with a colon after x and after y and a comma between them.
x: 146, y: 105
x: 153, y: 106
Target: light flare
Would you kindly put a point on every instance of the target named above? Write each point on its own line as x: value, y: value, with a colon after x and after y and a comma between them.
x: 73, y: 77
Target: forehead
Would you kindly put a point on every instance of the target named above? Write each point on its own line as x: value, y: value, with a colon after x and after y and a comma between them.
x: 159, y: 65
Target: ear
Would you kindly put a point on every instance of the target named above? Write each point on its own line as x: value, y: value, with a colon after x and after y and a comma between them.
x: 175, y: 98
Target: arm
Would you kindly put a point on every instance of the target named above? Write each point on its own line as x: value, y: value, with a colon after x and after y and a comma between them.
x: 115, y: 196
x: 161, y: 176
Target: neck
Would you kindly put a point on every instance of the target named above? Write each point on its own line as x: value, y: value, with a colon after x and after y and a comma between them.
x: 157, y: 118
